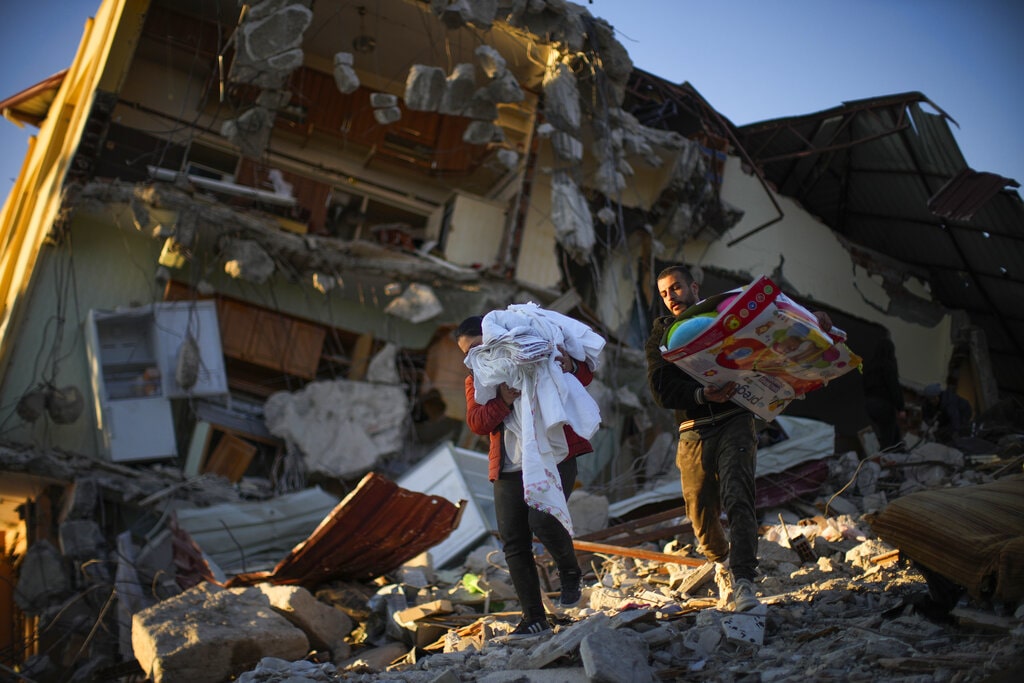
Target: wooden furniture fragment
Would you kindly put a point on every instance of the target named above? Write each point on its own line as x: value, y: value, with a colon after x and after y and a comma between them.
x: 230, y: 458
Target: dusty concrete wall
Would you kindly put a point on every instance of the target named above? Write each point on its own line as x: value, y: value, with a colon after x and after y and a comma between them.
x: 110, y: 268
x: 114, y: 266
x: 815, y: 264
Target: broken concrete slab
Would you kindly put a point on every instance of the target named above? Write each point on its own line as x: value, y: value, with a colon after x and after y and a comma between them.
x: 570, y: 213
x: 345, y: 76
x: 491, y: 61
x: 81, y: 539
x: 616, y: 656
x: 561, y: 99
x: 561, y: 675
x: 387, y: 115
x: 418, y: 303
x: 376, y: 658
x: 505, y: 89
x: 458, y: 90
x: 43, y: 578
x: 325, y: 626
x: 745, y: 627
x: 194, y: 636
x: 383, y: 100
x: 424, y: 88
x: 479, y: 132
x: 247, y: 260
x: 274, y: 669
x: 560, y: 644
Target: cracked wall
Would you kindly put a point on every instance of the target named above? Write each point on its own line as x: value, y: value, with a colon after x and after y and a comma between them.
x: 815, y: 263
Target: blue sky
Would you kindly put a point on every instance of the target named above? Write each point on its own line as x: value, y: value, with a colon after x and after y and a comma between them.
x: 754, y: 60
x: 751, y: 59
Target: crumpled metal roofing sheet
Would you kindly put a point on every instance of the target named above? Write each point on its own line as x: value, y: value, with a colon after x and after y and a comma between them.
x: 372, y: 531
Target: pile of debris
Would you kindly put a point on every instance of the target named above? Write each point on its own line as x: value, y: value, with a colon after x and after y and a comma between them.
x: 844, y: 592
x: 852, y: 610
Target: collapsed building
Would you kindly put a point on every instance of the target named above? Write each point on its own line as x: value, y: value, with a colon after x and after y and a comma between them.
x: 243, y: 235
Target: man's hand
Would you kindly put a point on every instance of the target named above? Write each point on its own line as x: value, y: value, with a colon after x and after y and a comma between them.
x: 565, y: 360
x: 508, y: 394
x: 720, y: 394
x: 824, y: 320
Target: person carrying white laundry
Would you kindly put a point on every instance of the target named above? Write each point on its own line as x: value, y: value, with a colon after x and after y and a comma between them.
x: 518, y: 522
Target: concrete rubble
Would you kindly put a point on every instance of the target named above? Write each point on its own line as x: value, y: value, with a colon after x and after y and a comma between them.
x: 135, y: 589
x: 856, y: 609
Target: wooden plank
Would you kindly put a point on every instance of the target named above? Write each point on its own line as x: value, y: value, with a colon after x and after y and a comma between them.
x: 361, y: 357
x: 639, y: 553
x: 230, y: 458
x: 632, y: 527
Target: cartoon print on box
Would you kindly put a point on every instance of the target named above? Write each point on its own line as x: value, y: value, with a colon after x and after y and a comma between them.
x: 756, y: 336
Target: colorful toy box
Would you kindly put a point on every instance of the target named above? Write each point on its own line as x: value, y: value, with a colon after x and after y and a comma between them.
x: 772, y: 347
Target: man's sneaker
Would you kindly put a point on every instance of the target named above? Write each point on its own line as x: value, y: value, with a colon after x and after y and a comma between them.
x: 744, y: 595
x: 530, y: 627
x: 571, y: 592
x: 723, y: 579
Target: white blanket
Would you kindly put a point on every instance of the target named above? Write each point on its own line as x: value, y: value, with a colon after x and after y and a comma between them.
x: 519, y: 348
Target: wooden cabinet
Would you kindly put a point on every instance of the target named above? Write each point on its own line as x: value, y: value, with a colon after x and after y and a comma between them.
x: 270, y: 339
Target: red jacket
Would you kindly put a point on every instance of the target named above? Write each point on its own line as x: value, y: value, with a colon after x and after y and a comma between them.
x: 487, y: 419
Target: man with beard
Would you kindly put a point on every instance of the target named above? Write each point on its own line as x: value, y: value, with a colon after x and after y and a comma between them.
x: 717, y: 453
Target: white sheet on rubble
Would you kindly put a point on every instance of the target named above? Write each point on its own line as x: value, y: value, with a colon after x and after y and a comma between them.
x: 341, y: 427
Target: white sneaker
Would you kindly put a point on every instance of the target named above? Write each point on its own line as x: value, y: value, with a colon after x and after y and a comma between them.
x: 744, y: 595
x: 723, y: 579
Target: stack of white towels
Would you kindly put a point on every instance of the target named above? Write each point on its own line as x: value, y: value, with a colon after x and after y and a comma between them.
x: 519, y: 348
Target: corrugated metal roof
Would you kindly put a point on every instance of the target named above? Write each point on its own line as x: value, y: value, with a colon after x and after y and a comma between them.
x: 874, y: 170
x: 967, y: 192
x: 372, y: 531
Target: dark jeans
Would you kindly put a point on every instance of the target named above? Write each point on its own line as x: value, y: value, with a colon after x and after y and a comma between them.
x: 517, y: 525
x: 716, y: 466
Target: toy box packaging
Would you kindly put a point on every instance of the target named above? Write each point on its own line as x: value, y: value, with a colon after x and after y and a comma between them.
x: 772, y: 347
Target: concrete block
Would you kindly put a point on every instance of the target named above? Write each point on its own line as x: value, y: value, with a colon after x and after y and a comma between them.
x: 562, y: 675
x: 616, y: 656
x: 491, y: 61
x: 560, y: 644
x: 383, y: 100
x: 81, y: 539
x: 387, y: 115
x: 345, y: 76
x: 325, y: 626
x: 208, y: 634
x: 458, y: 89
x: 424, y: 88
x: 561, y: 99
x: 505, y: 88
x: 688, y: 579
x: 479, y: 132
x: 80, y: 500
